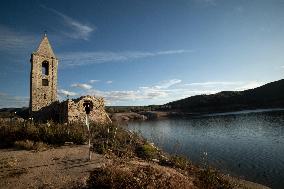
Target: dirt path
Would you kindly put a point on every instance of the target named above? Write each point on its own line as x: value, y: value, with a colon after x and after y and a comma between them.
x: 55, y: 168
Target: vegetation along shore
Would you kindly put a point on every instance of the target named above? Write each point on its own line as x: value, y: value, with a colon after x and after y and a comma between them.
x: 121, y: 159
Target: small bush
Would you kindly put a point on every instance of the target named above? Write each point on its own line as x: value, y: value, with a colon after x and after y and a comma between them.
x: 116, y: 140
x: 30, y: 145
x: 111, y: 178
x: 100, y: 147
x: 147, y: 151
x: 211, y: 179
x: 40, y: 146
x: 27, y: 144
x: 180, y: 162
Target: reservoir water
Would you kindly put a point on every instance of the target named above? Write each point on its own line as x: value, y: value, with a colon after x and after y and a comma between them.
x: 249, y: 145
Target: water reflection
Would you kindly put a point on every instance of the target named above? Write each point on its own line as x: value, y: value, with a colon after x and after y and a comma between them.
x: 246, y: 145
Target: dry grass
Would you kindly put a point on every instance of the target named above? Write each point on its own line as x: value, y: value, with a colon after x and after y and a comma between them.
x: 30, y: 145
x: 137, y: 175
x: 117, y: 143
x: 114, y: 140
x: 210, y: 179
x: 27, y: 133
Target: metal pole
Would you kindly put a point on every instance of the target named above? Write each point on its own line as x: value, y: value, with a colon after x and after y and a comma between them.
x: 89, y: 135
x: 90, y: 154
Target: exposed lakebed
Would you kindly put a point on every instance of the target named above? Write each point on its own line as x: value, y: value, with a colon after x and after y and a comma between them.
x: 249, y: 145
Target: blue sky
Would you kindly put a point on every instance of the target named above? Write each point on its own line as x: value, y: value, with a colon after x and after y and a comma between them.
x: 135, y: 52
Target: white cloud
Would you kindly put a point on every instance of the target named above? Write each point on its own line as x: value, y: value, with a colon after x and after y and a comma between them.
x: 78, y: 30
x: 250, y: 85
x: 82, y: 86
x: 128, y: 95
x: 167, y: 84
x: 66, y: 93
x: 213, y: 83
x: 147, y: 95
x: 226, y: 85
x: 84, y: 58
x: 159, y: 92
x: 167, y: 91
x: 282, y: 67
x: 179, y: 51
x: 7, y: 101
x: 14, y: 41
x: 109, y: 82
x: 94, y: 81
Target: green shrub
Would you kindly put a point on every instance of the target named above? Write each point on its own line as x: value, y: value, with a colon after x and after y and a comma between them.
x: 147, y: 151
x: 209, y: 178
x: 180, y: 162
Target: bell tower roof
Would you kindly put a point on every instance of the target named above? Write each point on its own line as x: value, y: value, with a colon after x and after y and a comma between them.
x: 45, y: 48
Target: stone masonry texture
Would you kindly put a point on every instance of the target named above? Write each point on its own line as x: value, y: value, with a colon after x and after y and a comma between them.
x: 44, y: 105
x: 42, y: 96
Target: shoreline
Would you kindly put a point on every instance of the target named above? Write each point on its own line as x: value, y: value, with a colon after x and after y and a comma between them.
x: 152, y: 115
x: 278, y: 111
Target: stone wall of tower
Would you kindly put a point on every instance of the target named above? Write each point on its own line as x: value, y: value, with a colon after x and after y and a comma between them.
x: 42, y: 96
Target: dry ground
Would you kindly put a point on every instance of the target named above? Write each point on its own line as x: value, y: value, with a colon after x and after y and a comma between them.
x: 55, y: 168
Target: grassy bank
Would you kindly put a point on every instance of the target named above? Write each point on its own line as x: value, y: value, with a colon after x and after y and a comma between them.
x: 12, y: 132
x: 122, y: 147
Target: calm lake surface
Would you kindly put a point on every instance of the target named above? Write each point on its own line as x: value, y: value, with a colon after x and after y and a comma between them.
x: 249, y: 145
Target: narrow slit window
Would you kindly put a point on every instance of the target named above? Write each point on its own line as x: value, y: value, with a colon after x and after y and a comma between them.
x: 44, y: 82
x: 45, y: 68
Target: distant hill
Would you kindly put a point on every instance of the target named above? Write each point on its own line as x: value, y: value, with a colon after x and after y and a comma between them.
x: 270, y: 95
x: 14, y: 112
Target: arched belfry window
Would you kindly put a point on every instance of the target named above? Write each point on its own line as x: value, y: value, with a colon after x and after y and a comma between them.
x: 45, y: 68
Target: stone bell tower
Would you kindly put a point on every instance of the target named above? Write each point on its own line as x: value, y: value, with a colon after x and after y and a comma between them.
x: 43, y: 78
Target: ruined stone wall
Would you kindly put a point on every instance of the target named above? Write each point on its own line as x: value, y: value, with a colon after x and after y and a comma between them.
x: 76, y: 110
x: 48, y: 113
x: 73, y: 111
x: 63, y: 112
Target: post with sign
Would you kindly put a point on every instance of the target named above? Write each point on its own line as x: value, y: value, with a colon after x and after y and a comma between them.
x: 88, y: 109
